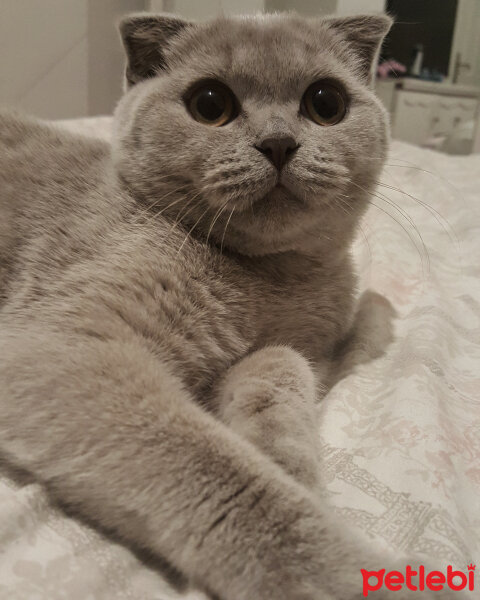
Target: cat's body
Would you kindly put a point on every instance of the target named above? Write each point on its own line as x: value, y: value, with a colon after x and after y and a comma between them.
x: 154, y: 363
x: 192, y: 304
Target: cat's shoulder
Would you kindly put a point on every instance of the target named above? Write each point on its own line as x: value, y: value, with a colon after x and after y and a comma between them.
x: 16, y: 128
x: 22, y: 135
x: 38, y: 157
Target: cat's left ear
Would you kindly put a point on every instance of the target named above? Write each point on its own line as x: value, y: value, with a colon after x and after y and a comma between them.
x: 364, y: 34
x: 145, y: 38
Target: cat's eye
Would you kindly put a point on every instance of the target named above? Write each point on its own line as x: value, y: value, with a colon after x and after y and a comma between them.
x: 325, y: 103
x: 212, y: 103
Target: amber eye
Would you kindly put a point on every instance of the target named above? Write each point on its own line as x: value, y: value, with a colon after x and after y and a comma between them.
x: 212, y: 103
x: 325, y: 103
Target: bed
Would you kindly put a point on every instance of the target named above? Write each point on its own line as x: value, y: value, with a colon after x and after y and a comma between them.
x: 400, y: 435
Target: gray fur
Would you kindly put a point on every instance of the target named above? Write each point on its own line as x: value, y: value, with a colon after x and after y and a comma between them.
x: 163, y: 383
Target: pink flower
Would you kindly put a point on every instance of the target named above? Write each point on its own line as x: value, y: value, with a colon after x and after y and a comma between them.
x: 406, y: 433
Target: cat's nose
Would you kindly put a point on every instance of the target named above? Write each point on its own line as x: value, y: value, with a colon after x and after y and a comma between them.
x: 278, y: 149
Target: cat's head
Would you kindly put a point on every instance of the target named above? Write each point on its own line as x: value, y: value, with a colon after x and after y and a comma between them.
x: 261, y: 132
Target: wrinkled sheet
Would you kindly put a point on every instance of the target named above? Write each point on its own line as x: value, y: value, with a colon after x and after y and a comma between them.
x: 401, y: 435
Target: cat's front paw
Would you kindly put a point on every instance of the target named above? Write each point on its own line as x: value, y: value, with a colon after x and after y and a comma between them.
x: 265, y: 379
x: 269, y: 399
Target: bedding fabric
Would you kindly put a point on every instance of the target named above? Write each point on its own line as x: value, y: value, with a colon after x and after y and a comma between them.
x: 401, y: 436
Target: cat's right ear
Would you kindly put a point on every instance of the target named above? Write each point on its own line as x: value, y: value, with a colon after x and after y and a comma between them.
x: 364, y: 34
x: 145, y: 38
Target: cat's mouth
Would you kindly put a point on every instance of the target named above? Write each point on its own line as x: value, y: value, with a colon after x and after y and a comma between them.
x: 276, y: 194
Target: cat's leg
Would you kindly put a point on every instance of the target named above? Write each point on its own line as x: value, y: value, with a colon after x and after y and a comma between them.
x: 371, y: 333
x: 269, y: 399
x: 112, y: 432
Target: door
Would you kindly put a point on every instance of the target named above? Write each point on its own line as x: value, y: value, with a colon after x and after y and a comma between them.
x: 465, y: 57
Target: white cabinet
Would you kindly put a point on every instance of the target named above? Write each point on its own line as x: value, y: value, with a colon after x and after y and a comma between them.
x: 450, y: 113
x: 425, y: 118
x: 465, y: 109
x: 412, y: 119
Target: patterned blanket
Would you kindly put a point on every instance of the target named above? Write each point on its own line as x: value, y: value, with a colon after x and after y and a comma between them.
x: 401, y: 435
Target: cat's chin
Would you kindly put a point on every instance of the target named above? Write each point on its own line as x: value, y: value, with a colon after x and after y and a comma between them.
x: 279, y: 196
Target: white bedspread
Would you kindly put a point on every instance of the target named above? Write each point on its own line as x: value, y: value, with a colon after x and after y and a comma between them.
x: 401, y: 436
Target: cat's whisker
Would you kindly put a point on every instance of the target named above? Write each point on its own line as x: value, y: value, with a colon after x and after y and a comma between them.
x: 215, y: 219
x: 441, y: 220
x: 168, y: 194
x: 365, y: 237
x: 406, y: 231
x: 436, y: 215
x: 182, y: 213
x: 192, y: 229
x: 317, y: 236
x: 408, y: 218
x: 226, y: 227
x: 146, y: 212
x: 343, y: 204
x: 410, y: 165
x: 155, y: 215
x: 407, y: 164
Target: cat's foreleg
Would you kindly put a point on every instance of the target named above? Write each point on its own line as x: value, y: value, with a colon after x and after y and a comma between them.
x: 269, y: 399
x: 112, y: 432
x: 371, y: 333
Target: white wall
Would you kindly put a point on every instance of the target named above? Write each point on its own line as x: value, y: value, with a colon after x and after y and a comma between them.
x: 304, y: 7
x: 243, y: 7
x: 106, y: 58
x: 357, y: 7
x: 189, y: 9
x: 327, y: 7
x: 203, y: 9
x: 62, y: 58
x: 43, y: 56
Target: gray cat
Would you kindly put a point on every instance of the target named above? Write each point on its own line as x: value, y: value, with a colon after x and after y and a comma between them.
x: 172, y: 306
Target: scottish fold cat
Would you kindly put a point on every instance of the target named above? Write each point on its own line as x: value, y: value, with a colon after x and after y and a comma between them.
x: 173, y: 305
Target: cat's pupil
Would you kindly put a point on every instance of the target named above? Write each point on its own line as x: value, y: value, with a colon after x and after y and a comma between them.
x: 325, y: 103
x: 211, y: 104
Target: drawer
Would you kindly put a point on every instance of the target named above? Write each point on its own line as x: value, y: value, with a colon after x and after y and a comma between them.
x: 453, y: 112
x: 466, y: 109
x: 412, y: 119
x: 444, y: 116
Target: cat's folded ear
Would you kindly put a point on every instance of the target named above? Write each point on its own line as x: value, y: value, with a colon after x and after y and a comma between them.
x: 364, y: 34
x: 145, y: 38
